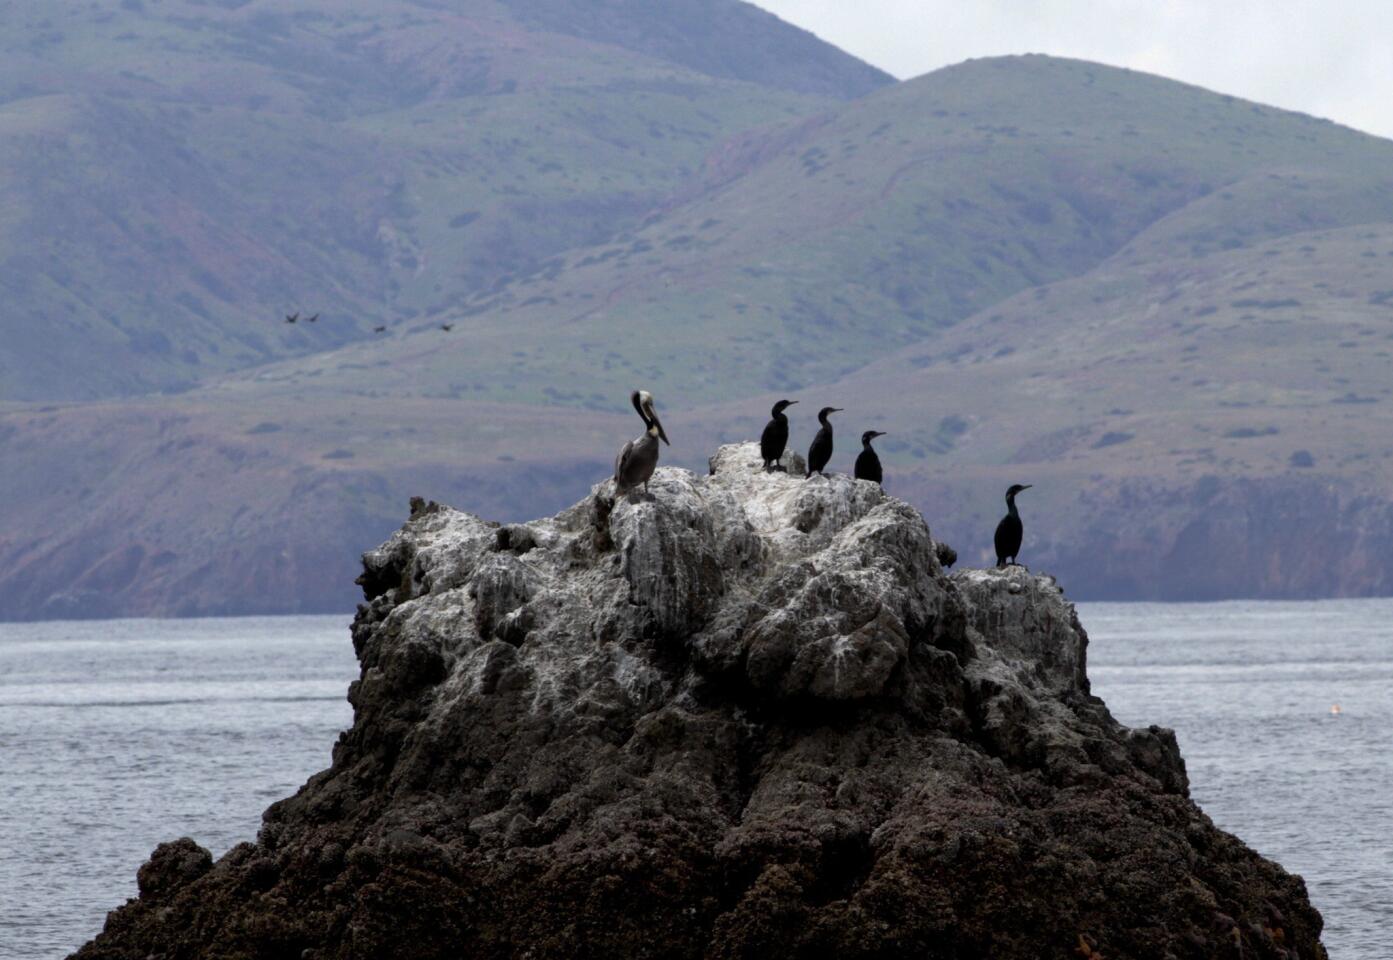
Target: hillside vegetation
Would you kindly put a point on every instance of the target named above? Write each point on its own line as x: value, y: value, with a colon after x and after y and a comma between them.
x: 810, y: 250
x: 176, y: 176
x: 1169, y: 309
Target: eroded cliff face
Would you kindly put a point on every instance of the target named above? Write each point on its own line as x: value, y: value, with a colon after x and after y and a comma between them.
x: 748, y: 716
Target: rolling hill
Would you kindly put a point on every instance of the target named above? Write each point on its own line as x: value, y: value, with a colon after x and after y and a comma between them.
x: 178, y: 175
x: 1169, y: 309
x: 809, y: 250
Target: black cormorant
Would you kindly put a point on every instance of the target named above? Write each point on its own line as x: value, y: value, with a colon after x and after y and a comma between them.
x: 775, y: 436
x: 867, y: 463
x: 636, y: 462
x: 312, y: 319
x: 379, y: 329
x: 447, y: 327
x: 292, y: 317
x: 1010, y: 531
x: 821, y: 450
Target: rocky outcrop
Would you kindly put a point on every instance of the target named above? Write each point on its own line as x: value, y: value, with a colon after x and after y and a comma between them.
x: 746, y: 716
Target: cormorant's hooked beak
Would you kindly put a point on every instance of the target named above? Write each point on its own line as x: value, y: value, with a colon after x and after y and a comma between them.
x: 879, y: 433
x: 1027, y: 486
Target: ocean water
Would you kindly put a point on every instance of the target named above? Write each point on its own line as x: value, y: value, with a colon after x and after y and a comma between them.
x: 118, y: 735
x: 1252, y: 691
x: 115, y: 736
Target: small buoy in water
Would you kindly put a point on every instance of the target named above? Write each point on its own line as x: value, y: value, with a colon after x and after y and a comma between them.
x: 1334, y: 709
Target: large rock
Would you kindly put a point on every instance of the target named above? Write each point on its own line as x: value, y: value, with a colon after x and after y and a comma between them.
x: 747, y: 715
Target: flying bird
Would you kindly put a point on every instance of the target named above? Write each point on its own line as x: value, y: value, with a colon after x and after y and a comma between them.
x: 379, y: 329
x: 867, y: 463
x: 292, y: 317
x: 637, y: 461
x: 312, y: 319
x: 775, y: 436
x: 821, y: 450
x: 447, y: 327
x: 1010, y: 530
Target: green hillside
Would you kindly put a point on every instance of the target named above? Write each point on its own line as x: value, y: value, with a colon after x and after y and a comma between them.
x: 1170, y: 310
x: 818, y: 247
x: 175, y: 176
x: 720, y: 38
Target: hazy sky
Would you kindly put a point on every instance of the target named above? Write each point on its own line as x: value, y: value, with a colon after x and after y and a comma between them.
x: 1332, y: 59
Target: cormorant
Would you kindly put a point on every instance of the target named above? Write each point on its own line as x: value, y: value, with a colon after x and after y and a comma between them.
x: 867, y: 463
x: 292, y: 317
x: 821, y: 450
x: 636, y: 462
x: 447, y: 327
x: 312, y: 319
x: 1010, y: 531
x: 379, y: 329
x: 775, y: 436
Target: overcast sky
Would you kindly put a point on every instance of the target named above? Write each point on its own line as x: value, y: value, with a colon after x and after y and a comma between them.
x: 1332, y: 59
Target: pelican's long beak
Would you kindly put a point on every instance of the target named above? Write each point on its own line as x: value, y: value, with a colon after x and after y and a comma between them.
x: 653, y: 418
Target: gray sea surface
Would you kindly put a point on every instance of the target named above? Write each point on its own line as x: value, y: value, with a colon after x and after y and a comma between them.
x: 118, y: 735
x: 1284, y: 713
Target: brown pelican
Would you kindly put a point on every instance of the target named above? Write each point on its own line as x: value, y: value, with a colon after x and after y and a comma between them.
x: 867, y: 463
x: 821, y: 450
x: 775, y: 436
x: 1010, y: 530
x: 636, y: 462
